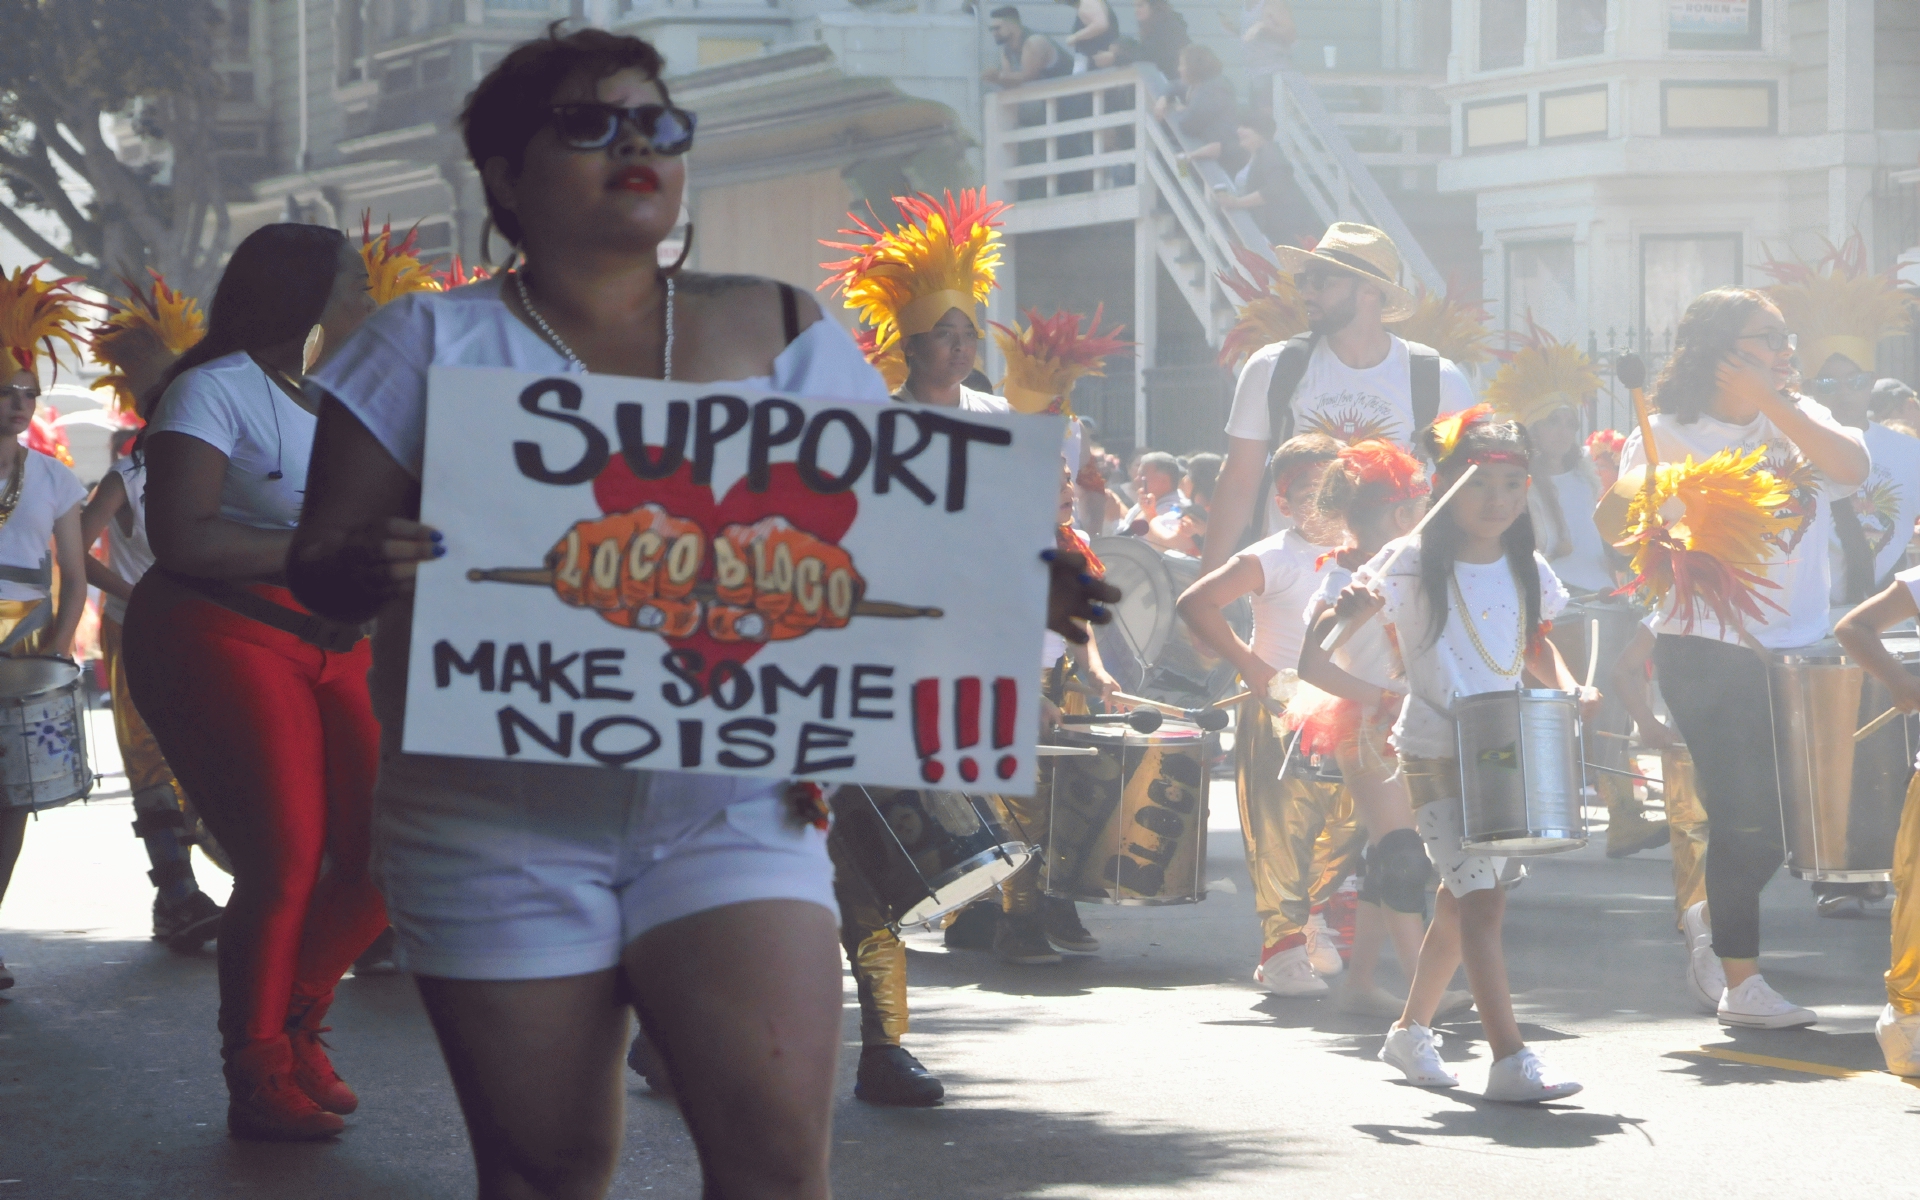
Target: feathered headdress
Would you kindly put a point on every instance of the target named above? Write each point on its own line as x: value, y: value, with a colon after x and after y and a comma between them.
x: 1049, y: 355
x: 1270, y: 308
x: 1542, y: 375
x: 457, y: 275
x: 1379, y: 463
x: 1447, y: 431
x: 1836, y: 306
x: 1702, y: 533
x: 35, y: 313
x: 1457, y: 328
x: 890, y: 360
x: 943, y: 256
x: 393, y: 269
x: 171, y: 319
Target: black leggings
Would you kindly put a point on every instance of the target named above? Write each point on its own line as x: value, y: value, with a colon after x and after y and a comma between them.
x: 1718, y: 694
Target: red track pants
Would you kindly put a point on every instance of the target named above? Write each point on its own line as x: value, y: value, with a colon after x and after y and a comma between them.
x: 276, y: 742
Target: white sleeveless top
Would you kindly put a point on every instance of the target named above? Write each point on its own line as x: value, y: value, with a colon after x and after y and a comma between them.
x: 128, y: 554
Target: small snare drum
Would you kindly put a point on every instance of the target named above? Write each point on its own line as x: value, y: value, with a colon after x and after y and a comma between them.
x: 924, y: 853
x: 43, y: 742
x: 1521, y: 771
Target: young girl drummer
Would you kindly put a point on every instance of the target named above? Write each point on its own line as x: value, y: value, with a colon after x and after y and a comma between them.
x: 1468, y: 604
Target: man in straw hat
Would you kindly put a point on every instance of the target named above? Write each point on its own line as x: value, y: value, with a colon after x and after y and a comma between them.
x: 1346, y: 377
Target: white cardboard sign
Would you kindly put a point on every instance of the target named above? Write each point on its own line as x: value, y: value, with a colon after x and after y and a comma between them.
x: 678, y: 576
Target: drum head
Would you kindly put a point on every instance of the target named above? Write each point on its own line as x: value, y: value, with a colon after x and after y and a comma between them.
x: 1145, y: 615
x: 29, y: 676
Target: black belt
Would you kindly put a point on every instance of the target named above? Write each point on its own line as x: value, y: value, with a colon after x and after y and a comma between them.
x: 318, y: 632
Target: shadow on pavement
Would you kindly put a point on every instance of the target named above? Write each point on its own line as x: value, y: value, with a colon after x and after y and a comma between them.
x: 1521, y: 1126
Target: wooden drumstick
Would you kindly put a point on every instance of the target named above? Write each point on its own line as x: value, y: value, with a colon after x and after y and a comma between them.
x: 1048, y: 750
x: 1230, y: 701
x: 1874, y: 726
x: 1593, y: 648
x: 1345, y: 626
x: 541, y: 577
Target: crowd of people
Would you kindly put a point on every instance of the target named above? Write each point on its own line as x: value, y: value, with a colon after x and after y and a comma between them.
x: 1403, y: 538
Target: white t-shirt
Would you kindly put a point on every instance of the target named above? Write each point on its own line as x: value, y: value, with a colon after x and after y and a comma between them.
x: 1337, y: 400
x: 1289, y: 580
x: 1800, y: 568
x: 1584, y: 566
x: 380, y: 376
x: 1369, y: 652
x: 49, y: 492
x: 1438, y: 672
x: 232, y: 405
x: 1887, y: 504
x: 128, y: 554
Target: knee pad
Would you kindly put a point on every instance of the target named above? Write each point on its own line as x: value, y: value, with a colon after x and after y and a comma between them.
x: 1397, y: 872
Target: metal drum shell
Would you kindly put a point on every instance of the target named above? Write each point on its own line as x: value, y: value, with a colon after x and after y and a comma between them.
x: 1521, y: 774
x: 1129, y: 827
x: 1840, y: 801
x: 923, y: 853
x: 43, y: 736
x: 1147, y: 647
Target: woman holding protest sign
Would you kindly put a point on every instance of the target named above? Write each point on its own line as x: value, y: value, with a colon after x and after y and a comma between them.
x: 535, y: 902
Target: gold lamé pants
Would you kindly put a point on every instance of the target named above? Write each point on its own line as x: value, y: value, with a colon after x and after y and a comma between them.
x: 13, y: 613
x: 1686, y: 830
x: 1303, y: 835
x: 1903, y: 975
x: 1030, y: 818
x: 875, y: 952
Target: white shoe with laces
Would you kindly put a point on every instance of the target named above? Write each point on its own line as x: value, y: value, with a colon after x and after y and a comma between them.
x: 1899, y: 1038
x: 1322, y: 951
x: 1288, y: 973
x: 1754, y: 1005
x: 1414, y: 1049
x: 1520, y: 1078
x: 1706, y: 978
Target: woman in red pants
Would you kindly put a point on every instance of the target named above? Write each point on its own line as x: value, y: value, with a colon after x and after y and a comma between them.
x: 260, y: 707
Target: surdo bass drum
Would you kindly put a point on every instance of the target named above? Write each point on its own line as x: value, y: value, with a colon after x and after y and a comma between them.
x: 1129, y: 825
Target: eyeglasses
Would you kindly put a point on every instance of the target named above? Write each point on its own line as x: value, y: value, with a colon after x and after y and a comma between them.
x: 1775, y: 339
x: 16, y: 391
x: 1315, y: 281
x: 1828, y: 385
x: 668, y: 130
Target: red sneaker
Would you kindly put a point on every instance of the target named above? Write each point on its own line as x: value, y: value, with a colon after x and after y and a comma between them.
x: 265, y: 1104
x: 312, y: 1069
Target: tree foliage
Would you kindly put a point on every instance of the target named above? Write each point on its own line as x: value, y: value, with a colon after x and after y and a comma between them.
x: 66, y: 64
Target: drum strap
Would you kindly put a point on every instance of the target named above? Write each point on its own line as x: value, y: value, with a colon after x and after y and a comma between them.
x: 41, y: 576
x: 315, y: 631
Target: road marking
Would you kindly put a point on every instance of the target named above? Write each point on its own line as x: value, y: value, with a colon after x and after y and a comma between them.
x: 1795, y: 1064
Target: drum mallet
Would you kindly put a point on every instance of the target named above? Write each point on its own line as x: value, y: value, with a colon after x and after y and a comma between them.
x: 1205, y: 718
x: 1049, y: 750
x: 1140, y: 720
x: 1345, y: 625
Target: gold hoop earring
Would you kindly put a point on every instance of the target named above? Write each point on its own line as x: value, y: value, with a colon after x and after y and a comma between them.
x: 316, y: 344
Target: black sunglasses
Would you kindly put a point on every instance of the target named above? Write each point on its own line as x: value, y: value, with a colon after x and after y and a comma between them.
x: 1828, y: 385
x: 668, y: 130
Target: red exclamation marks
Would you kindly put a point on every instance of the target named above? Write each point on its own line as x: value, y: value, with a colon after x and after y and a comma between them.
x: 966, y: 723
x: 926, y: 728
x: 1005, y: 700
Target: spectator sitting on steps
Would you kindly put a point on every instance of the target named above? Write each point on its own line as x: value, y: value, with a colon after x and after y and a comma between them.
x: 1203, y: 109
x: 1263, y: 187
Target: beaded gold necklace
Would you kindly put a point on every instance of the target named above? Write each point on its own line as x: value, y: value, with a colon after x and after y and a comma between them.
x: 1473, y: 633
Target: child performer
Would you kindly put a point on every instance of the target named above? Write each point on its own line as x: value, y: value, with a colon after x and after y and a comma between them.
x: 1283, y: 818
x: 1376, y: 491
x: 1468, y: 605
x: 1898, y: 1028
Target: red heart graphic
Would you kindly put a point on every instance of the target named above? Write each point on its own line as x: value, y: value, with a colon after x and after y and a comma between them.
x: 618, y: 489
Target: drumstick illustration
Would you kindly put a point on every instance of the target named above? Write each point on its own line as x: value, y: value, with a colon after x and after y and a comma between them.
x: 542, y: 577
x: 1345, y: 626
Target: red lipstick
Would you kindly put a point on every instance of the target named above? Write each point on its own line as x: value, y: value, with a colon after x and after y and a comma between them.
x: 638, y: 179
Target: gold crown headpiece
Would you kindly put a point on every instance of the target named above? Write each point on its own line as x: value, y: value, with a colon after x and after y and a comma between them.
x: 1544, y: 374
x: 1049, y: 355
x: 1836, y: 306
x: 393, y: 268
x: 1270, y: 308
x: 35, y: 313
x: 943, y: 256
x: 1456, y: 327
x: 172, y: 319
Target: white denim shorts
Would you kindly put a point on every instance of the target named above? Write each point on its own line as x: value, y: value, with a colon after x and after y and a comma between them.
x: 527, y: 871
x: 1442, y: 827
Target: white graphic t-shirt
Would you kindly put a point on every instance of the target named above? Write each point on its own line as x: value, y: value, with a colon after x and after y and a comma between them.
x: 1887, y: 504
x: 1345, y: 404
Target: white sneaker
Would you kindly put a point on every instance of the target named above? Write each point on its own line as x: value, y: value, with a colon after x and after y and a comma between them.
x: 1899, y: 1037
x: 1322, y: 950
x: 1757, y: 1006
x: 1370, y: 1001
x: 1520, y: 1078
x: 1706, y: 978
x: 1415, y: 1050
x: 1288, y: 973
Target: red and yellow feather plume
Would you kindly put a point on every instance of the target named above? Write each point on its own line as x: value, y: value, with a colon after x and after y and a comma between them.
x: 890, y: 360
x: 457, y: 275
x: 35, y: 313
x: 943, y: 256
x: 1837, y: 306
x: 1448, y: 429
x: 171, y: 320
x: 1456, y: 327
x: 1702, y: 534
x: 1270, y: 308
x: 1544, y: 374
x: 1045, y: 359
x: 393, y: 269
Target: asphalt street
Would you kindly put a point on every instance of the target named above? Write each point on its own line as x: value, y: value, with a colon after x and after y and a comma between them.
x: 1155, y: 1069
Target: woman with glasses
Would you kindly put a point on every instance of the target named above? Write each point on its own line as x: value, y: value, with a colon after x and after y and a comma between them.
x: 534, y: 903
x: 1727, y: 386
